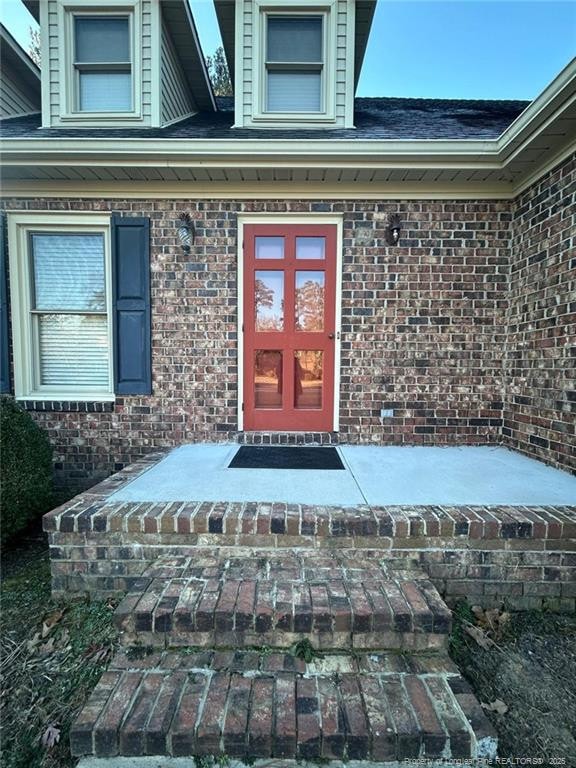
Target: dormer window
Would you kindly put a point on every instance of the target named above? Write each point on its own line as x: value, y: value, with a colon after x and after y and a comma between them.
x: 294, y: 63
x: 103, y: 64
x: 289, y: 68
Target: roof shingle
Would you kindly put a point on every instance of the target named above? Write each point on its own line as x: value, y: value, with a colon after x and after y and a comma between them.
x: 374, y: 118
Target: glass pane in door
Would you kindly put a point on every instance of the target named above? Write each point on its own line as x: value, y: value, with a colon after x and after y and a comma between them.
x: 310, y: 247
x: 309, y: 301
x: 269, y: 300
x: 308, y: 377
x: 269, y: 247
x: 268, y: 378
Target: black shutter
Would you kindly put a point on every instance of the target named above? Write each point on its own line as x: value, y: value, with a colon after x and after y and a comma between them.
x: 131, y: 305
x: 4, y: 351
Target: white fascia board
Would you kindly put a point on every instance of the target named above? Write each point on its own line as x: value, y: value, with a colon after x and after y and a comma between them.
x: 556, y: 96
x: 246, y: 152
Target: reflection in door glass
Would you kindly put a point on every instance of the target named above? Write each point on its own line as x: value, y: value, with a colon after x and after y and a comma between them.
x: 269, y: 300
x: 310, y: 247
x: 268, y: 378
x: 308, y: 378
x: 269, y: 247
x: 309, y: 301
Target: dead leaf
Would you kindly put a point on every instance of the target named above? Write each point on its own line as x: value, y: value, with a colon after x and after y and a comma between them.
x: 63, y: 638
x: 497, y: 706
x: 50, y: 737
x: 98, y: 654
x: 479, y: 636
x: 50, y: 621
x: 32, y: 645
x: 46, y: 648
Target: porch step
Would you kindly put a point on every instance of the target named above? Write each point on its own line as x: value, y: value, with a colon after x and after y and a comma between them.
x: 233, y: 598
x: 248, y: 705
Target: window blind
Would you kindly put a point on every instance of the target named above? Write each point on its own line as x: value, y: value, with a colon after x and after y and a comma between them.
x: 69, y: 280
x: 294, y: 91
x: 69, y: 272
x: 297, y: 38
x: 102, y: 40
x: 74, y: 350
x: 105, y: 92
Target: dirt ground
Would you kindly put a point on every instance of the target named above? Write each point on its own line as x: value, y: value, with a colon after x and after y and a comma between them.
x: 531, y: 668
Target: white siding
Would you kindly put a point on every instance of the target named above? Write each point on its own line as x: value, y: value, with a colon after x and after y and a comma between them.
x: 177, y: 100
x: 339, y: 69
x: 15, y: 96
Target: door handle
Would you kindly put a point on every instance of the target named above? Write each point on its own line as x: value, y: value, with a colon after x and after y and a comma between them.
x: 331, y: 335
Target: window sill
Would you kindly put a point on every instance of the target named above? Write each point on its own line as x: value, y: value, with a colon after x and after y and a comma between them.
x: 67, y: 406
x: 290, y: 118
x: 100, y: 116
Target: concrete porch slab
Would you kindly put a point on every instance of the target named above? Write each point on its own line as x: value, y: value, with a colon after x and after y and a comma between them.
x: 377, y: 476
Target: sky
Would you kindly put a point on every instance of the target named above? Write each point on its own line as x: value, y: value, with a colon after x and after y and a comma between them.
x: 467, y: 49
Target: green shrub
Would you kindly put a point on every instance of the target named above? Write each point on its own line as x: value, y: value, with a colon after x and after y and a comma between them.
x: 26, y: 469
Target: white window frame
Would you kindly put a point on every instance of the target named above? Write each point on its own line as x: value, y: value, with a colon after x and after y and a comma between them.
x: 263, y: 10
x: 26, y: 354
x: 69, y: 80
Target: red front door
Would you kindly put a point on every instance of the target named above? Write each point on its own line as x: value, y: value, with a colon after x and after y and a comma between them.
x: 289, y: 326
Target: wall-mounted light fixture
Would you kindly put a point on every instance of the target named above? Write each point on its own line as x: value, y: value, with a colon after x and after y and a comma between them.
x: 393, y: 229
x: 186, y: 232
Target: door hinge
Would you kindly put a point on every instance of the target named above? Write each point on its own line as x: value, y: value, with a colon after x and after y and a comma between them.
x: 242, y: 406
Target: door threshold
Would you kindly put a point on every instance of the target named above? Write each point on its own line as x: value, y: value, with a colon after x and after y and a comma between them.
x: 288, y: 438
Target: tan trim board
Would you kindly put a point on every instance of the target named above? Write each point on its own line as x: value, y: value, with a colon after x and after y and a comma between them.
x: 117, y: 190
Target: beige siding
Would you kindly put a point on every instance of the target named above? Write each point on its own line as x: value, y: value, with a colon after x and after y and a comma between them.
x: 339, y: 70
x: 15, y: 96
x: 56, y: 47
x: 177, y: 100
x: 147, y: 60
x: 248, y: 30
x: 342, y: 72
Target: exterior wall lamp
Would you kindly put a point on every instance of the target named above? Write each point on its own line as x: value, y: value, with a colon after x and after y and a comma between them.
x: 186, y: 232
x: 393, y: 229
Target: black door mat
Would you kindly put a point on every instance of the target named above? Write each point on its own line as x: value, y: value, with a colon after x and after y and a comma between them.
x: 271, y: 457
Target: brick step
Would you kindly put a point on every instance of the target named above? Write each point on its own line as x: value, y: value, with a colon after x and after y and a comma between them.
x: 231, y: 598
x: 248, y: 705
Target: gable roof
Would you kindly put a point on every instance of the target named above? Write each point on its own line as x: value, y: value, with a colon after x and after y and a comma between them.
x: 364, y: 13
x: 14, y: 59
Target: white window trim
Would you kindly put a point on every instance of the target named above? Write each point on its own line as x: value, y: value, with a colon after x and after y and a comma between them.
x: 335, y: 219
x: 69, y: 109
x: 262, y: 10
x: 20, y: 225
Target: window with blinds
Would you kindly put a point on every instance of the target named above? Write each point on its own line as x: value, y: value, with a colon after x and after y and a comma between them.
x: 103, y: 63
x: 294, y: 63
x: 69, y: 317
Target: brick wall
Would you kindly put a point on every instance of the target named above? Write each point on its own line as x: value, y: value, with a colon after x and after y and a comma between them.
x: 540, y: 401
x: 423, y: 330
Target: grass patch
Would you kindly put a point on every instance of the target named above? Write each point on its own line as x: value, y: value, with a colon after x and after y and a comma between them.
x: 53, y: 654
x: 532, y: 669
